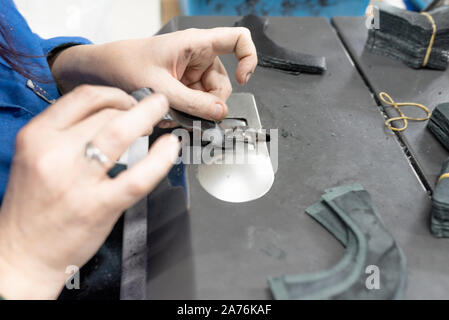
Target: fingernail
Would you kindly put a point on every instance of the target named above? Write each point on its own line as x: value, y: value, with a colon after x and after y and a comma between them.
x: 248, y: 76
x: 175, y: 140
x: 217, y: 113
x: 133, y: 101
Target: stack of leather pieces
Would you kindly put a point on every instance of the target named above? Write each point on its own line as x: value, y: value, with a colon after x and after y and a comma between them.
x: 271, y: 55
x: 439, y: 223
x: 406, y: 36
x: 439, y: 124
x: 348, y: 213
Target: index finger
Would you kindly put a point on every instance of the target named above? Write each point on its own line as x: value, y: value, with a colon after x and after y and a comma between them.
x: 235, y: 40
x: 82, y: 102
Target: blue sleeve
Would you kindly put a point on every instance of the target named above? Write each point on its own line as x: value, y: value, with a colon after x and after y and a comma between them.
x: 19, y: 103
x: 49, y: 45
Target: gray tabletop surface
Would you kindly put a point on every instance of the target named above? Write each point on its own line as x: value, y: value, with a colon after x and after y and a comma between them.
x: 404, y: 84
x: 336, y: 136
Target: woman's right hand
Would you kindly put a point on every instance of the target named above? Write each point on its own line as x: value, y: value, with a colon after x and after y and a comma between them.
x: 60, y: 206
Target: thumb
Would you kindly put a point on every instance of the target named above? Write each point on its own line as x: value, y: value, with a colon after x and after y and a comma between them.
x: 195, y: 102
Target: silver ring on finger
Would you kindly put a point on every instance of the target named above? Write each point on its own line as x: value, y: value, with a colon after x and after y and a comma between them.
x: 92, y: 152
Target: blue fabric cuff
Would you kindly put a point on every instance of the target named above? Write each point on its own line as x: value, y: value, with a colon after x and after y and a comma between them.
x: 49, y: 45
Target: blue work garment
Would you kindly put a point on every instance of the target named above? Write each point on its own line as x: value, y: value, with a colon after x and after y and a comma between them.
x: 18, y: 102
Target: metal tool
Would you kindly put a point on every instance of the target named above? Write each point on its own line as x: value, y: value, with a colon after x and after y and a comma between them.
x: 222, y: 134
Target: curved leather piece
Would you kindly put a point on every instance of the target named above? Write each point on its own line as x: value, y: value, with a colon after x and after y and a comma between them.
x: 322, y: 285
x: 272, y: 55
x: 348, y: 213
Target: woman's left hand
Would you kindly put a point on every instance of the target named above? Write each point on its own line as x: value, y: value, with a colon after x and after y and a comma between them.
x: 183, y: 65
x: 60, y: 205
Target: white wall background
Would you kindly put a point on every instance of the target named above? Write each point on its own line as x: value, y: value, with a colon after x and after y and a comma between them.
x: 98, y: 20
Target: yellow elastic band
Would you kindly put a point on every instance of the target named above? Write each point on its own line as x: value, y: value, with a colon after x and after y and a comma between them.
x: 443, y: 176
x: 432, y: 38
x: 385, y: 98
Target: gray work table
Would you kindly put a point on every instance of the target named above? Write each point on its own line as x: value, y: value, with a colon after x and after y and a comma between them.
x: 429, y: 87
x: 333, y: 135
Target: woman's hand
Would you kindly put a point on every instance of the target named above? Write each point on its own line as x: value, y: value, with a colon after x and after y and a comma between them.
x: 60, y: 206
x: 183, y: 65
